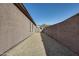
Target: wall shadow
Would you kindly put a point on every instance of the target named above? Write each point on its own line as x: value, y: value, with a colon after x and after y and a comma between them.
x: 53, y: 48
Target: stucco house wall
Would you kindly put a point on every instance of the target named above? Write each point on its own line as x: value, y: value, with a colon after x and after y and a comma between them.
x: 34, y: 28
x: 14, y: 26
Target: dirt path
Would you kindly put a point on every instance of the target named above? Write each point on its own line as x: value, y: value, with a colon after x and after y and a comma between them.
x: 53, y: 48
x: 32, y: 46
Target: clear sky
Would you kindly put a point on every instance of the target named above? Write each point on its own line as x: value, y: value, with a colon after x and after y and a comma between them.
x: 53, y: 13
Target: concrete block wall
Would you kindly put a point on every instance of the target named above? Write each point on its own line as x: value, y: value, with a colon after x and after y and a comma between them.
x: 66, y: 32
x: 14, y: 26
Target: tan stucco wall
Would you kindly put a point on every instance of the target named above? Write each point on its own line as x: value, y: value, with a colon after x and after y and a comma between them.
x: 14, y: 26
x: 31, y: 27
x: 34, y: 28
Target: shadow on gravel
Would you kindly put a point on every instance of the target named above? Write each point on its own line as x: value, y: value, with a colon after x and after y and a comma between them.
x: 53, y: 48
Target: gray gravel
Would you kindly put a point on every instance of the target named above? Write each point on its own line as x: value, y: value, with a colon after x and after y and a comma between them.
x: 53, y: 48
x: 32, y: 46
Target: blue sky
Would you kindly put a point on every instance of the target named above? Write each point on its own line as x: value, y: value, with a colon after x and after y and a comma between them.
x: 51, y: 13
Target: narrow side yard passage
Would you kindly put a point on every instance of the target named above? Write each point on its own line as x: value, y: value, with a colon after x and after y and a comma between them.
x: 32, y: 46
x: 40, y: 44
x: 54, y: 48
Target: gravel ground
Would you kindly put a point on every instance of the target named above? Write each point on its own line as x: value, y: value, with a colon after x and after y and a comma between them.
x: 53, y: 48
x: 32, y: 46
x: 39, y: 44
